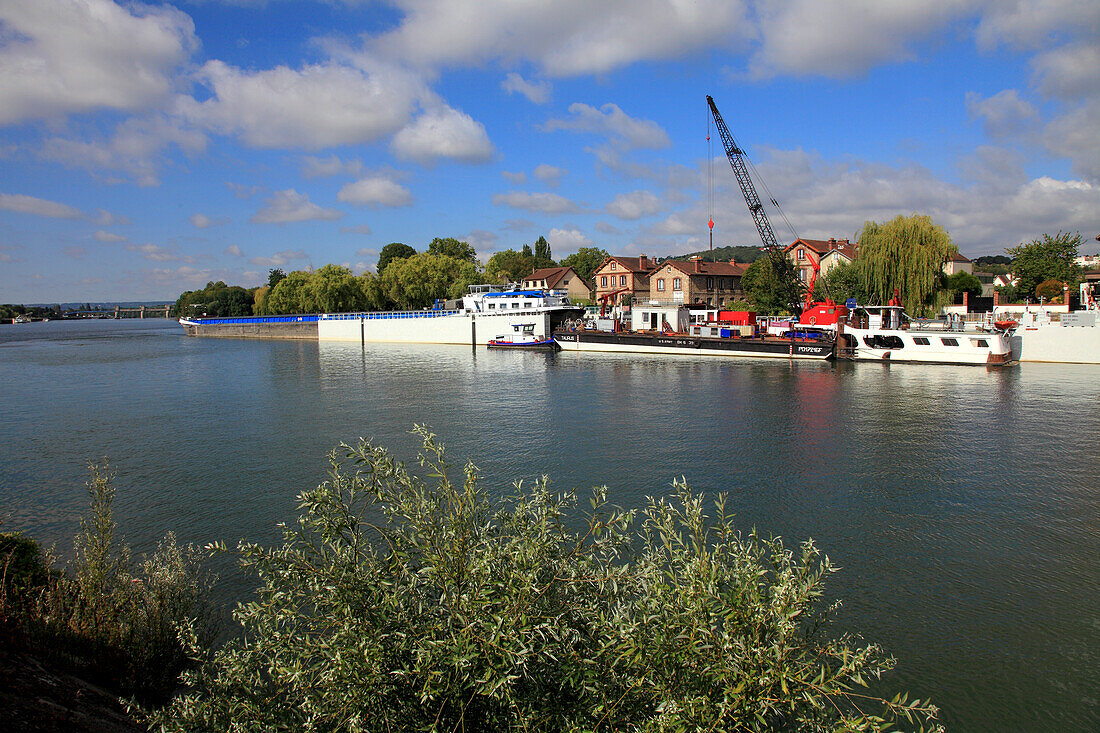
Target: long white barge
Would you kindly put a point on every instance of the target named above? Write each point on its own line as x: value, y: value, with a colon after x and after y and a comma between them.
x: 487, y: 312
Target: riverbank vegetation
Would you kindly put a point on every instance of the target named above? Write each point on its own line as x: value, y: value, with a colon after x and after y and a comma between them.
x: 420, y: 600
x: 104, y: 616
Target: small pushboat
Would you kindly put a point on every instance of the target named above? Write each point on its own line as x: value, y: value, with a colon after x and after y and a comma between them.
x: 1005, y: 325
x: 523, y: 338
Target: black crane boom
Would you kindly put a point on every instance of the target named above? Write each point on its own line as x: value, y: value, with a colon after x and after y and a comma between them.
x: 782, y: 268
x: 737, y: 162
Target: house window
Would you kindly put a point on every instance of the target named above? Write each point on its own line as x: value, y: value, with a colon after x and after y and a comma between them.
x: 802, y: 275
x: 676, y: 284
x: 612, y: 265
x: 622, y: 280
x: 710, y: 283
x: 801, y: 253
x: 660, y: 284
x: 603, y: 281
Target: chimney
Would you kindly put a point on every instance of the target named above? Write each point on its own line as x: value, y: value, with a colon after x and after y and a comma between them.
x: 696, y: 259
x: 832, y: 243
x: 643, y: 262
x: 733, y: 261
x: 996, y: 299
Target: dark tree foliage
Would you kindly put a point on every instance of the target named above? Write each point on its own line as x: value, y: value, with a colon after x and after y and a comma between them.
x: 509, y: 266
x: 216, y: 300
x: 1046, y: 258
x: 452, y: 247
x: 585, y: 261
x: 744, y: 255
x: 772, y: 285
x: 393, y: 251
x: 274, y: 276
x: 964, y: 282
x: 542, y: 254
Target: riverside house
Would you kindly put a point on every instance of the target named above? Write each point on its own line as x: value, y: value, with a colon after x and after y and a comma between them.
x: 695, y: 281
x: 559, y: 278
x: 828, y: 252
x: 619, y: 277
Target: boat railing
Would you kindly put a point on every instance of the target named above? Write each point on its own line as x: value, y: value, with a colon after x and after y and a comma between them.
x: 387, y: 315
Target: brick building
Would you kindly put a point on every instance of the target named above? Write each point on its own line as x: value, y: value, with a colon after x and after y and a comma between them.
x: 623, y: 276
x: 696, y: 281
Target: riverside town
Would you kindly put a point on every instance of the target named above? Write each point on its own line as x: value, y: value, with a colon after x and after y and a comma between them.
x: 452, y: 366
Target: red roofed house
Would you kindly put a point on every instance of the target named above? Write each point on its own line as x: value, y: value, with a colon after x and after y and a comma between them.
x: 828, y: 252
x: 623, y: 276
x: 695, y: 281
x: 559, y: 278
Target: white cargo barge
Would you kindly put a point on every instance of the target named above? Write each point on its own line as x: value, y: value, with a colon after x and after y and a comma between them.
x: 487, y: 312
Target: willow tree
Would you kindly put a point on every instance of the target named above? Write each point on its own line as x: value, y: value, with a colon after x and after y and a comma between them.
x: 905, y: 254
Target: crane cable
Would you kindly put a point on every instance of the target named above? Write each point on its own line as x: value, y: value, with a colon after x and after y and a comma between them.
x: 710, y: 187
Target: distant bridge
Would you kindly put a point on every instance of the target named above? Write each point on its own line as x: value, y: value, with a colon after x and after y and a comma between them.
x: 119, y: 311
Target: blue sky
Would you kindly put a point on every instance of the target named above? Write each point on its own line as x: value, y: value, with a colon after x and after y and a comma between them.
x: 146, y: 149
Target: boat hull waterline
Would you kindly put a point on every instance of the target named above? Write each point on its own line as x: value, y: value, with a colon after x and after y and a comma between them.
x: 678, y: 344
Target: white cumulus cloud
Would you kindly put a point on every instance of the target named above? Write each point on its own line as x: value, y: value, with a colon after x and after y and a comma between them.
x: 315, y: 107
x: 444, y: 133
x: 60, y: 57
x: 375, y: 191
x: 567, y: 240
x: 537, y: 92
x: 546, y: 203
x: 37, y: 207
x: 610, y: 120
x: 290, y: 206
x: 634, y: 205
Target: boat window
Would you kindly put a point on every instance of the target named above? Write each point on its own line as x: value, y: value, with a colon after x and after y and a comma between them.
x: 920, y: 341
x: 515, y: 305
x: 981, y: 343
x: 950, y: 342
x: 492, y: 306
x: 528, y: 304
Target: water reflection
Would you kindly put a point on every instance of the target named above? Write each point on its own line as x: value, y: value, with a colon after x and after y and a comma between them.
x: 961, y: 502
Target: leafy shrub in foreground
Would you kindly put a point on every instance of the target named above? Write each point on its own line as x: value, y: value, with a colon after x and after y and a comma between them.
x: 111, y: 620
x: 397, y: 605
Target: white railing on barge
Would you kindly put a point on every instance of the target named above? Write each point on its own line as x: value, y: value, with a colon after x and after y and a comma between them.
x: 388, y: 315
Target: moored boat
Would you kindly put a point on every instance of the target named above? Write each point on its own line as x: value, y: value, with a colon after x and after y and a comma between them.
x: 523, y: 337
x: 886, y: 333
x: 698, y: 331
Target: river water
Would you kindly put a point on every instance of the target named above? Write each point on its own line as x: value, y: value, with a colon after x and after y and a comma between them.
x: 962, y: 503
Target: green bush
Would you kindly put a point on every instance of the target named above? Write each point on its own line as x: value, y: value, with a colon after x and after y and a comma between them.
x: 113, y: 621
x: 400, y: 603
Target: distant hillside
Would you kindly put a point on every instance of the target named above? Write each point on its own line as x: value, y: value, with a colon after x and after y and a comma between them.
x: 724, y: 254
